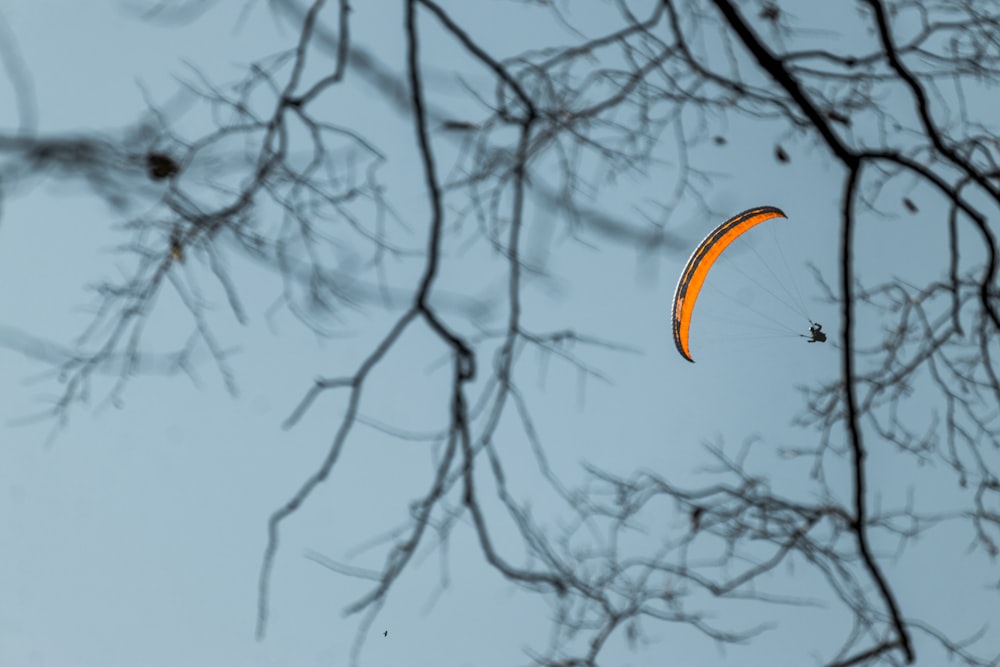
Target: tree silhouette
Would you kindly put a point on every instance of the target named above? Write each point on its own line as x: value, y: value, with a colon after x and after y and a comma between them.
x: 902, y: 106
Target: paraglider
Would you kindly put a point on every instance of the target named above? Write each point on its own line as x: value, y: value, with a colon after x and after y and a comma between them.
x: 696, y: 270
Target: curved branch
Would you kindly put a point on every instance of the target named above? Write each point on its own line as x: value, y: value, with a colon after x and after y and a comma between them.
x: 851, y: 417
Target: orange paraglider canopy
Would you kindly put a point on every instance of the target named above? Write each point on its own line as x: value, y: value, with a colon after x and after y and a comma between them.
x: 693, y: 276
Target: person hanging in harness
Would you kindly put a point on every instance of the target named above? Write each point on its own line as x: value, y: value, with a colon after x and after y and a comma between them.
x: 816, y: 334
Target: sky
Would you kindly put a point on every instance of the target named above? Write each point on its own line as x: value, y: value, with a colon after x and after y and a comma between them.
x: 134, y: 536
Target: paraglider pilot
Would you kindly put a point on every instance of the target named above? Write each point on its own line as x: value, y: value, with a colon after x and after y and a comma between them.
x: 816, y: 334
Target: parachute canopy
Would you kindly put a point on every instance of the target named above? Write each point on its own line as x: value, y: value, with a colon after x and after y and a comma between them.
x: 696, y: 270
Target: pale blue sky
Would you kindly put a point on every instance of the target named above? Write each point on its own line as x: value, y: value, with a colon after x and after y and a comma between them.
x: 135, y: 538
